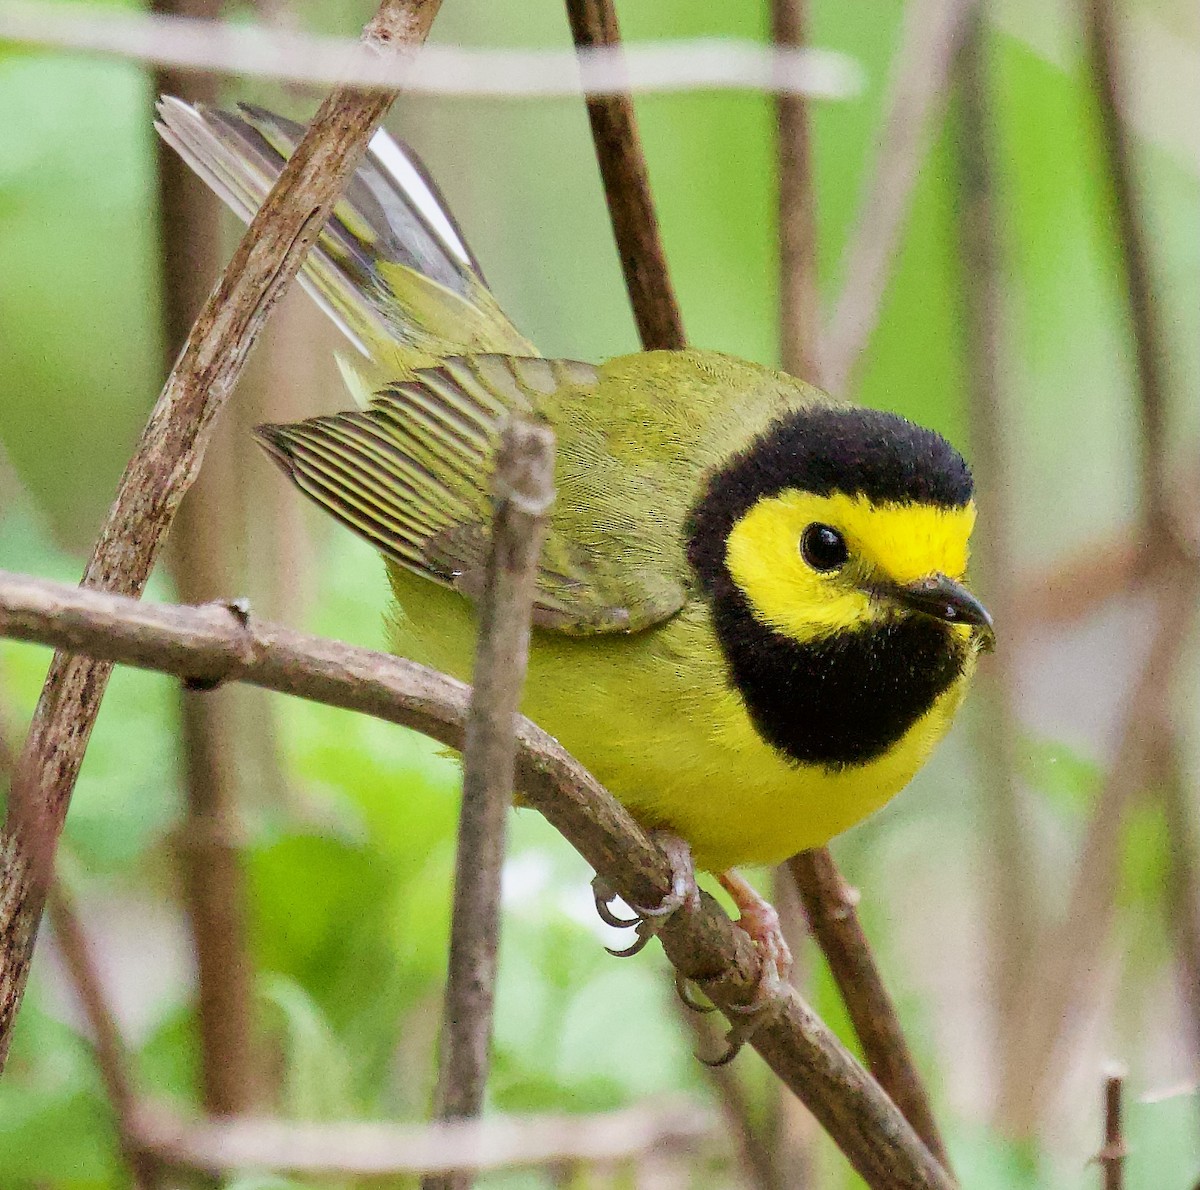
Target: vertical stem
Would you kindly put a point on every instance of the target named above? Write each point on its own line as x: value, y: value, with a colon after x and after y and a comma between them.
x: 1111, y: 1157
x: 799, y: 296
x: 1133, y: 244
x: 627, y: 190
x: 1012, y: 917
x: 523, y: 490
x: 204, y: 531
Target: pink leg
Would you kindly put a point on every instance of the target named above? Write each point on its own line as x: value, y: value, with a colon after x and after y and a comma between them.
x: 759, y: 920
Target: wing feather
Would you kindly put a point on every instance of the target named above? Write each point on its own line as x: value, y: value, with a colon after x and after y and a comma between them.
x: 411, y: 474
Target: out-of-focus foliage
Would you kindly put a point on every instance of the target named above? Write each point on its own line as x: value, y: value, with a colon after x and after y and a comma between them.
x: 348, y: 876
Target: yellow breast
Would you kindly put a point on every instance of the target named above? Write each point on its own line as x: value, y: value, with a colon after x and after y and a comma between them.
x: 653, y: 717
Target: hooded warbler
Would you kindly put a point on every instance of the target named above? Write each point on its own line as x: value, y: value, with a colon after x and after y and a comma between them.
x: 751, y: 621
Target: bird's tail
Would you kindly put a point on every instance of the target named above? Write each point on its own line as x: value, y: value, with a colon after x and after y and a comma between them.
x: 391, y: 267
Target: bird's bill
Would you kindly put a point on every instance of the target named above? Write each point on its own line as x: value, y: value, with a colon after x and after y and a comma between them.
x: 943, y: 598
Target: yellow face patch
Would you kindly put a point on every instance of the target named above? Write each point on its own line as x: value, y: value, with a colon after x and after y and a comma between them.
x: 899, y: 543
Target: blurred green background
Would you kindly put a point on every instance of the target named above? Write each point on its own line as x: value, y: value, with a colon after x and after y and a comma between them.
x: 348, y: 825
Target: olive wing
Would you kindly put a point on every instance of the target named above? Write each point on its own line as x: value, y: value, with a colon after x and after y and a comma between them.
x: 411, y: 475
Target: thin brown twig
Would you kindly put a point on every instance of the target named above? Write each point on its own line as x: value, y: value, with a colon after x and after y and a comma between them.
x: 799, y: 294
x: 216, y: 643
x: 523, y: 489
x: 920, y: 82
x: 1133, y: 242
x: 829, y: 904
x: 209, y: 855
x: 112, y: 1059
x: 163, y: 467
x: 1111, y: 1157
x: 370, y: 1149
x: 1070, y: 946
x: 627, y: 190
x: 1012, y: 904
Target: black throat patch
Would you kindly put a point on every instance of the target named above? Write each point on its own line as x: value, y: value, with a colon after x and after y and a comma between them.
x: 845, y: 699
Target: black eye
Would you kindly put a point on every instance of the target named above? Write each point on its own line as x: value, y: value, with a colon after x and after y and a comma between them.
x: 823, y: 548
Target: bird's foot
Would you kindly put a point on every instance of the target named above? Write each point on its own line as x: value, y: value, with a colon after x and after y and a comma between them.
x: 649, y: 920
x: 760, y: 921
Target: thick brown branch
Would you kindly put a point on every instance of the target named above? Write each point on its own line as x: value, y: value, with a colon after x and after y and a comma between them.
x: 371, y: 1150
x: 627, y: 189
x: 164, y: 465
x: 829, y: 905
x: 920, y: 82
x: 523, y: 488
x: 214, y: 643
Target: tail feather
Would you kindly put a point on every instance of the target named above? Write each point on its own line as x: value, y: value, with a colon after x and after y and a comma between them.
x: 391, y: 267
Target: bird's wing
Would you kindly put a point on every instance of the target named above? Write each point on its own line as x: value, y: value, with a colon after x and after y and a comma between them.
x: 411, y: 474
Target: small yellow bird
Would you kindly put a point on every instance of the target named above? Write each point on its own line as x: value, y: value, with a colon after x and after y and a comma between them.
x: 751, y: 621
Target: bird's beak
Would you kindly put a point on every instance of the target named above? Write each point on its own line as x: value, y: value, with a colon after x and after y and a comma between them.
x: 944, y: 599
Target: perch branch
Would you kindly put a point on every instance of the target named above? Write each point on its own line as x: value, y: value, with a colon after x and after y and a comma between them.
x: 523, y: 488
x: 217, y: 643
x: 627, y: 190
x: 166, y: 462
x: 932, y: 30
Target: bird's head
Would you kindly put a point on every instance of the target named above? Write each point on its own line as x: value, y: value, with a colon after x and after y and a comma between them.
x: 833, y: 551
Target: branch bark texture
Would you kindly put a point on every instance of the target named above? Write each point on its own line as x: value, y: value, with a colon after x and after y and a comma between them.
x: 523, y: 489
x: 217, y: 643
x: 164, y: 465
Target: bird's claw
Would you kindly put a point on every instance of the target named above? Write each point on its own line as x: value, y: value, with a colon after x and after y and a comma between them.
x: 768, y: 998
x: 760, y: 921
x: 650, y: 919
x: 685, y: 996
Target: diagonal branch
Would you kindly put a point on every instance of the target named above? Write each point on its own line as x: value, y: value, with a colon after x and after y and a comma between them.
x: 215, y: 643
x: 112, y: 1060
x: 931, y: 34
x: 165, y: 464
